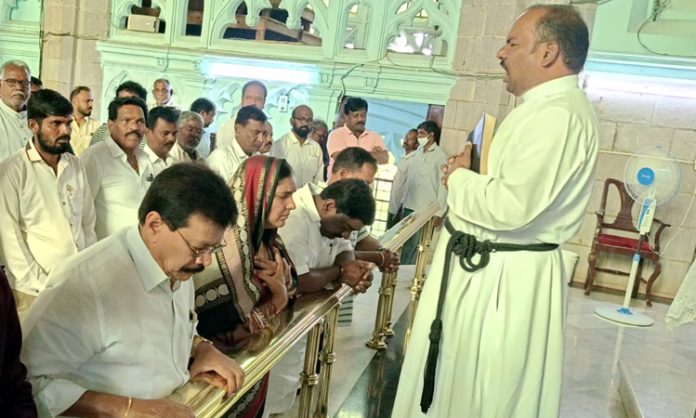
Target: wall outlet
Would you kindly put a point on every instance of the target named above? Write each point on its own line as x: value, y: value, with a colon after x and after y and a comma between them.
x: 283, y: 103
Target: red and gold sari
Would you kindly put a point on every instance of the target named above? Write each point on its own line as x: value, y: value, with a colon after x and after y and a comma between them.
x: 228, y: 293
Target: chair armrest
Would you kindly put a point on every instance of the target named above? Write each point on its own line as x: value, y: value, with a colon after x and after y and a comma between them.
x: 658, y: 233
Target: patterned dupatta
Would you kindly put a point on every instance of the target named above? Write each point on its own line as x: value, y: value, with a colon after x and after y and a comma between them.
x: 227, y: 291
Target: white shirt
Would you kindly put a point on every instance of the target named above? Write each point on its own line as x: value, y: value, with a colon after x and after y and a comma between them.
x: 14, y: 131
x: 226, y: 135
x: 307, y: 247
x: 399, y: 184
x: 109, y: 321
x: 305, y: 159
x: 169, y: 103
x: 423, y: 184
x: 156, y: 162
x: 203, y: 147
x: 225, y: 160
x: 81, y: 135
x: 45, y: 217
x: 116, y: 187
x: 179, y: 155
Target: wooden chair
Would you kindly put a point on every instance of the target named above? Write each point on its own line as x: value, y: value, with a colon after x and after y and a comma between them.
x: 626, y: 244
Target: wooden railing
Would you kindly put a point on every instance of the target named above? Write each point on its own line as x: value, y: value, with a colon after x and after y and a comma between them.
x: 311, y: 315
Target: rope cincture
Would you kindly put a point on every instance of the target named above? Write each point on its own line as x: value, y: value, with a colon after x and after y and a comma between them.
x: 465, y: 246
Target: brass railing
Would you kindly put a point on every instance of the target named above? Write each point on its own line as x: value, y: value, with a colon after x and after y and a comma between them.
x: 393, y: 240
x: 311, y: 315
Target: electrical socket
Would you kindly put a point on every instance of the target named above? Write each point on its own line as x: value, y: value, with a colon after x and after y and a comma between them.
x: 283, y: 103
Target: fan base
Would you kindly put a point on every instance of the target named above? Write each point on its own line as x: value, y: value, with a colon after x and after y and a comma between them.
x: 624, y: 316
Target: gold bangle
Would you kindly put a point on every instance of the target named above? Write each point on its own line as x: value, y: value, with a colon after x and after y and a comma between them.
x: 128, y: 408
x: 198, y: 340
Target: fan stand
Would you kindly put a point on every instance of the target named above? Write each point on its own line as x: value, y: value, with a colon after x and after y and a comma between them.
x: 624, y: 315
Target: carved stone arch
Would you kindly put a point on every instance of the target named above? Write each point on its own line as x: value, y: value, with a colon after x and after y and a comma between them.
x: 10, y: 7
x: 110, y: 87
x: 345, y: 13
x: 321, y: 12
x: 224, y: 16
x: 254, y: 8
x: 121, y: 10
x: 437, y: 18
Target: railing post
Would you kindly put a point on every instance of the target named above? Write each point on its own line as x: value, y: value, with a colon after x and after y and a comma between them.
x: 387, y: 329
x: 309, y: 377
x: 419, y: 278
x: 377, y: 342
x: 328, y: 357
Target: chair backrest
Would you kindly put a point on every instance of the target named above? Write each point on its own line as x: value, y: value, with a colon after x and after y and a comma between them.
x: 624, y: 219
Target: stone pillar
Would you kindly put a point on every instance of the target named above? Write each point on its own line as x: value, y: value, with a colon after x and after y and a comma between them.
x: 483, y: 27
x: 71, y: 29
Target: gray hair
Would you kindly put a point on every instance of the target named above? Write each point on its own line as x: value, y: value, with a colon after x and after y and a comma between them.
x: 186, y: 115
x: 15, y: 63
x: 317, y: 123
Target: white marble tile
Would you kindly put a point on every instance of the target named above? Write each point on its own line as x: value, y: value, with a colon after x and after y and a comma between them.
x: 660, y: 366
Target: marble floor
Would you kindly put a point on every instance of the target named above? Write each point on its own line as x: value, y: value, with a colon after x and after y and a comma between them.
x: 610, y: 371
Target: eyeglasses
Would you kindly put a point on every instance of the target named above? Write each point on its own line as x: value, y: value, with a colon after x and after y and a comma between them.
x: 305, y: 120
x: 13, y: 82
x: 200, y: 253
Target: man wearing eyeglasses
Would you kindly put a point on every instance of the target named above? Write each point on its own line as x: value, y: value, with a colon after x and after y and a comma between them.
x: 305, y: 156
x: 15, y: 82
x: 113, y: 332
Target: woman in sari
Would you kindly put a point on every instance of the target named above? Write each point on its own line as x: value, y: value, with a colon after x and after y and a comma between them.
x: 251, y: 279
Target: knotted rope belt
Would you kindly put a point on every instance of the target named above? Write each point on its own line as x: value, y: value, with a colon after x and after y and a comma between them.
x: 464, y: 246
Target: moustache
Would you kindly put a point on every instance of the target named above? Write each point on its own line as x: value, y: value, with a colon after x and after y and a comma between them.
x: 19, y: 93
x: 63, y: 138
x: 193, y: 270
x: 137, y: 133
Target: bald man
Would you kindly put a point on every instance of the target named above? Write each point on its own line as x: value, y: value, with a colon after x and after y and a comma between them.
x: 304, y: 155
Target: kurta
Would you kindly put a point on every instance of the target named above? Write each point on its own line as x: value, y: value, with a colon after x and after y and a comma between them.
x: 35, y: 237
x: 501, y: 352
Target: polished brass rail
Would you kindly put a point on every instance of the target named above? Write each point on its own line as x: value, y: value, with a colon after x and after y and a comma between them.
x: 310, y: 315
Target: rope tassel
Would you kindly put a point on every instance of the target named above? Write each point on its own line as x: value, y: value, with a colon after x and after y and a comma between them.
x: 465, y: 247
x: 431, y: 365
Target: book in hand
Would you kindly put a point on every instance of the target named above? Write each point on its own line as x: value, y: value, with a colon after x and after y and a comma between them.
x: 481, y: 137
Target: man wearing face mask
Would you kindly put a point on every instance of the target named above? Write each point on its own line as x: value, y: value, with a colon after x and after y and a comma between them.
x: 15, y: 81
x: 423, y: 183
x: 46, y: 206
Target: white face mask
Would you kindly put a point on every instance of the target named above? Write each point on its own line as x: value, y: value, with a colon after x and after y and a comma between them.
x: 422, y: 140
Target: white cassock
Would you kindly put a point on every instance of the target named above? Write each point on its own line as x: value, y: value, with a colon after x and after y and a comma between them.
x: 501, y: 351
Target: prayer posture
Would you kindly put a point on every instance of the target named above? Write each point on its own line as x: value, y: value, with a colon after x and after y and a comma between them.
x: 248, y: 284
x: 500, y: 349
x: 114, y: 332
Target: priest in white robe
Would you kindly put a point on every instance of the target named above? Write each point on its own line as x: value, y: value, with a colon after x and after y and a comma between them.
x: 500, y: 353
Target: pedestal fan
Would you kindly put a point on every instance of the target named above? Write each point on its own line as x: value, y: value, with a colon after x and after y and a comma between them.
x: 651, y: 178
